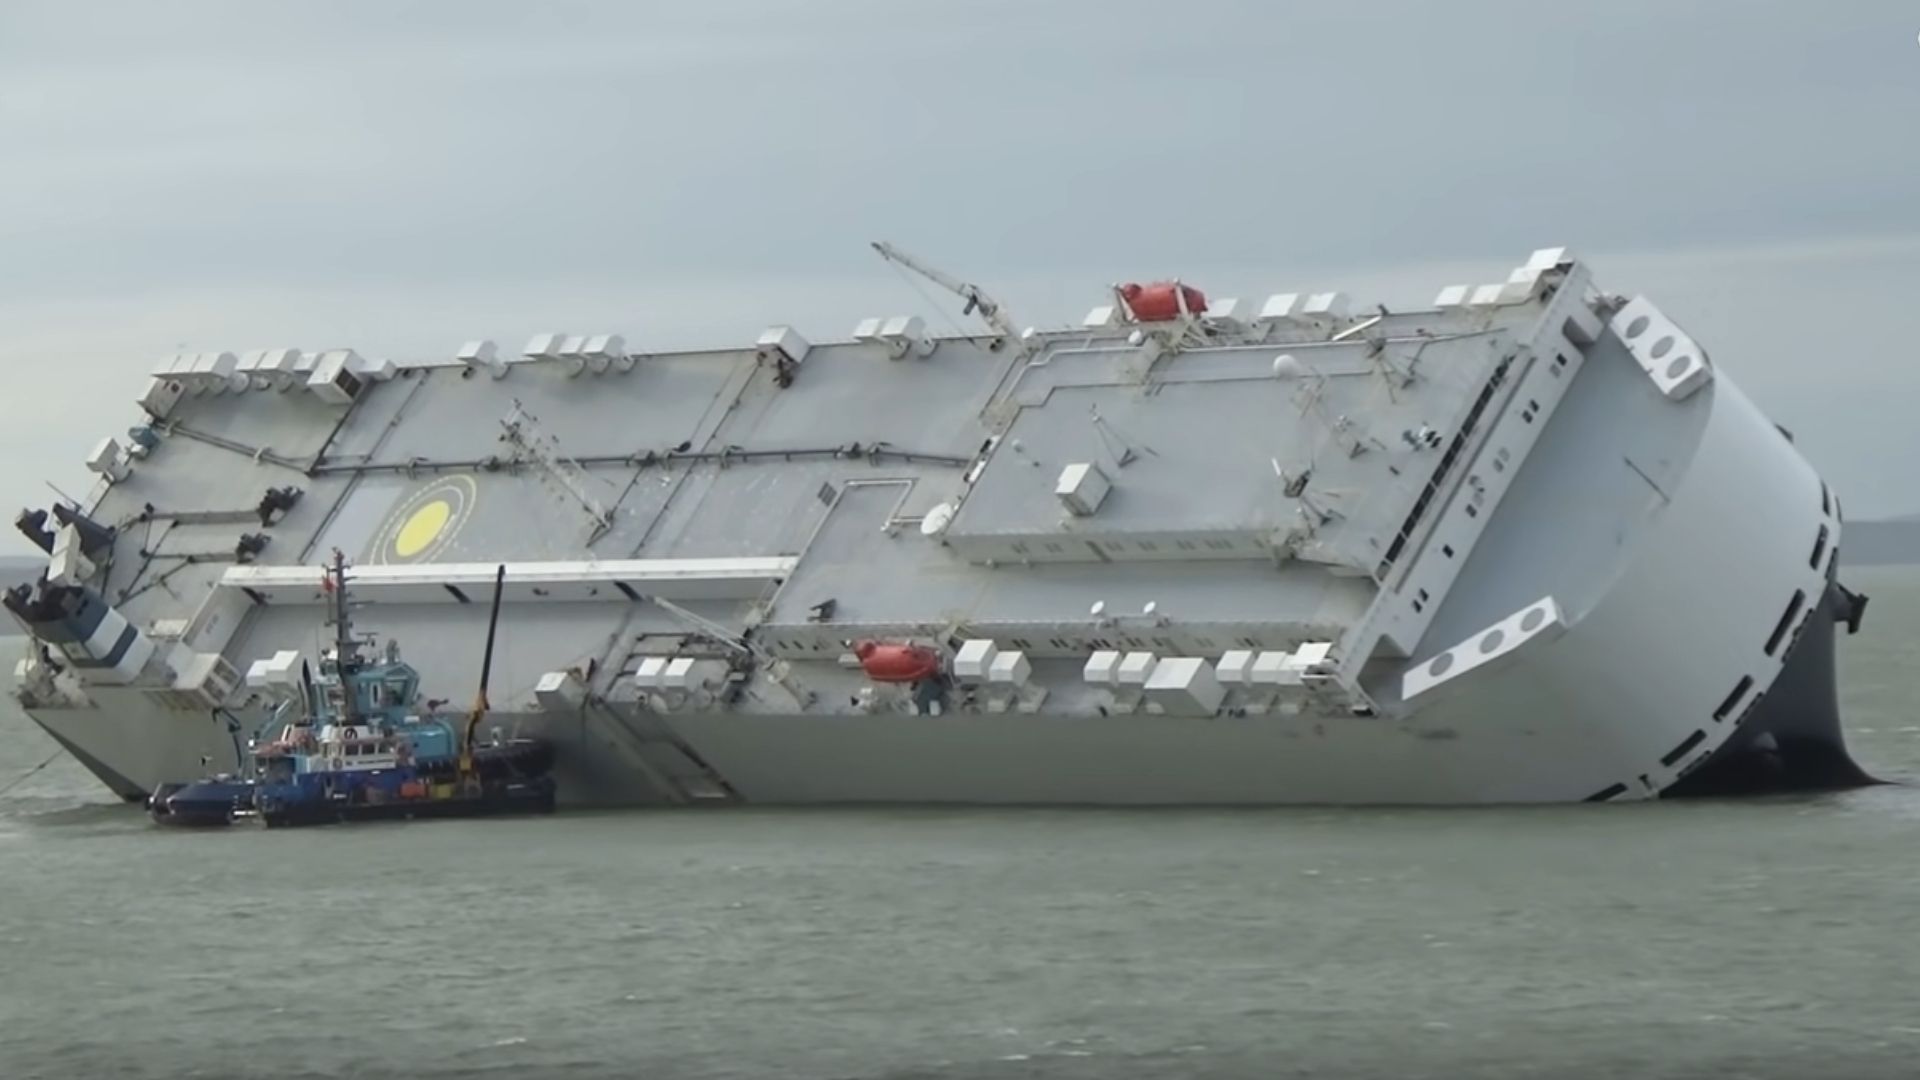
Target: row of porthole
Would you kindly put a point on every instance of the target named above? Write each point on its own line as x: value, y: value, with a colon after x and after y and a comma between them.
x: 1489, y: 643
x: 1675, y: 367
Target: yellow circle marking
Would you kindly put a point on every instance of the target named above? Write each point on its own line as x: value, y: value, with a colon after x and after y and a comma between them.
x: 422, y: 528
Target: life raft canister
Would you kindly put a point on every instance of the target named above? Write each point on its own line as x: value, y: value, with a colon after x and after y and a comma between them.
x: 1160, y: 301
x: 890, y: 662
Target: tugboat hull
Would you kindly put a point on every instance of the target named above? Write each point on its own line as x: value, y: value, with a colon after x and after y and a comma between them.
x: 534, y: 796
x: 207, y: 804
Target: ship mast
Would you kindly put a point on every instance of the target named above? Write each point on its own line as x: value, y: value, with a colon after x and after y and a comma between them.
x: 977, y: 299
x: 346, y: 651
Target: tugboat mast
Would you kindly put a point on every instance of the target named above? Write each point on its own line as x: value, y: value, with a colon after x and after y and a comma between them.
x: 346, y: 649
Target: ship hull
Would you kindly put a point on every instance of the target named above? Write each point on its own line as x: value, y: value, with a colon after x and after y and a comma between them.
x: 1686, y: 548
x: 1478, y: 751
x: 1627, y: 704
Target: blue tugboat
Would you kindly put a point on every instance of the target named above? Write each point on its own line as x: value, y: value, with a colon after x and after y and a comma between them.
x: 346, y: 748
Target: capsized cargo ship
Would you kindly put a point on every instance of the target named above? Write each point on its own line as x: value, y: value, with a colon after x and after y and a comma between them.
x: 1528, y: 544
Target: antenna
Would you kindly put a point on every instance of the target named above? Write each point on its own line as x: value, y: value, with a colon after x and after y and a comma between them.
x: 75, y: 503
x: 346, y: 651
x: 1108, y: 437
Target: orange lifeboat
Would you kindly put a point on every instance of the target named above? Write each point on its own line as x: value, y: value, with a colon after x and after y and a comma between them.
x: 895, y: 663
x: 1160, y: 301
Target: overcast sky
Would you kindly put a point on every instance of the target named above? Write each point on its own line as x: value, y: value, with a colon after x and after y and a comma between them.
x: 398, y: 177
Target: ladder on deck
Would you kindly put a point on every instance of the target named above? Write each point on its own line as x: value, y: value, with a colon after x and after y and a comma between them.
x: 669, y: 764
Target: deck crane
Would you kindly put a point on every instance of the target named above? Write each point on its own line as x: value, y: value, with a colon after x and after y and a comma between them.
x: 480, y: 703
x: 976, y: 298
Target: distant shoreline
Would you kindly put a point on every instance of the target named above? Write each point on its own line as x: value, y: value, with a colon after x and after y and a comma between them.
x: 1881, y: 543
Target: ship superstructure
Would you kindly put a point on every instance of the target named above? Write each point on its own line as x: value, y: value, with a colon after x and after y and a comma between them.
x: 1529, y: 544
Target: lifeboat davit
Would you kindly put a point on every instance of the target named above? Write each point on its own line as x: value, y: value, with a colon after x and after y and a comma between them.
x: 1160, y: 301
x: 894, y: 663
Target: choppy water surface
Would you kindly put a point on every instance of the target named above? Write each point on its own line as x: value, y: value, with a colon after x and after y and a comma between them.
x: 1758, y: 938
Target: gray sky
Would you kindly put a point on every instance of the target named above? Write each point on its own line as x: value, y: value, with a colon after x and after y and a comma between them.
x: 399, y: 177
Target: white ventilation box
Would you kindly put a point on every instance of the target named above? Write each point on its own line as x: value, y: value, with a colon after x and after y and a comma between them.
x: 904, y: 334
x: 281, y: 671
x: 974, y: 662
x: 109, y: 460
x: 204, y: 680
x: 904, y: 326
x: 1102, y: 668
x: 274, y: 369
x: 1082, y: 487
x: 1185, y: 686
x: 1525, y: 283
x: 1102, y: 317
x: 1135, y: 667
x: 1010, y: 669
x: 209, y: 372
x: 335, y: 379
x: 545, y: 346
x: 608, y: 350
x: 901, y: 334
x: 161, y: 396
x: 560, y: 691
x: 1273, y: 668
x: 782, y: 341
x: 1326, y: 305
x: 1486, y: 295
x: 1310, y: 654
x: 68, y: 564
x: 573, y: 352
x: 1549, y: 258
x: 688, y: 673
x: 1235, y: 667
x: 679, y: 674
x: 651, y: 674
x: 1225, y: 314
x: 1280, y: 306
x: 483, y: 355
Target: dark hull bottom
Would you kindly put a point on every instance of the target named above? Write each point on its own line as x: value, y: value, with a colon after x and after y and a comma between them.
x: 530, y: 798
x: 1792, y: 739
x: 177, y: 818
x: 166, y: 807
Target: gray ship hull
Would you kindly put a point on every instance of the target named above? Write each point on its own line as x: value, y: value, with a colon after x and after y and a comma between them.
x: 1531, y: 546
